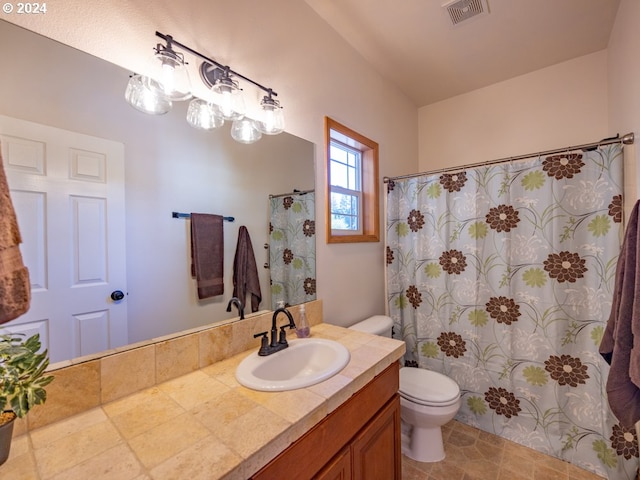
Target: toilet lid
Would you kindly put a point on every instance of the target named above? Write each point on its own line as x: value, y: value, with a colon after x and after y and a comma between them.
x: 427, y: 387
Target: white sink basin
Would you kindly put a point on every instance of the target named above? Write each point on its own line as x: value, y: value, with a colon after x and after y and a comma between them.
x: 305, y: 362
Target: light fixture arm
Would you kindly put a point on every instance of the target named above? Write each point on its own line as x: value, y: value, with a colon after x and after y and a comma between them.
x: 169, y: 51
x: 170, y: 41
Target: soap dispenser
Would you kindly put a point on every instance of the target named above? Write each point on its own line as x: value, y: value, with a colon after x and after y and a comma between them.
x: 303, y: 330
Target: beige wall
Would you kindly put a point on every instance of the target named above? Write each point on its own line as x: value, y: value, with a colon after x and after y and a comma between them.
x: 283, y: 44
x: 624, y: 88
x: 574, y: 102
x: 555, y: 107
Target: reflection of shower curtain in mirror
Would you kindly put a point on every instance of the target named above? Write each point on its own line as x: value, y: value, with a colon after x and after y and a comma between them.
x: 501, y: 277
x: 292, y: 253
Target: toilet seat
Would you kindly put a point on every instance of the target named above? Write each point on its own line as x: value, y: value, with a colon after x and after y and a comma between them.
x: 426, y: 387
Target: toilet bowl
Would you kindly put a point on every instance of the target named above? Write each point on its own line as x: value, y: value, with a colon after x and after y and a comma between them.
x: 428, y: 400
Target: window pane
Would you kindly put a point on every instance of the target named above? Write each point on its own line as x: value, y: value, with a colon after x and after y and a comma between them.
x: 353, y: 179
x: 344, y: 222
x: 339, y: 175
x: 352, y: 159
x: 344, y: 211
x: 338, y: 154
x: 341, y: 203
x: 347, y: 165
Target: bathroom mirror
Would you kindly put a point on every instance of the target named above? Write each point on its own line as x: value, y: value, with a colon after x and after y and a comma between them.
x: 168, y: 167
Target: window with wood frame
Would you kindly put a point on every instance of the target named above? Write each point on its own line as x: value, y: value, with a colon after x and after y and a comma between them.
x: 352, y: 213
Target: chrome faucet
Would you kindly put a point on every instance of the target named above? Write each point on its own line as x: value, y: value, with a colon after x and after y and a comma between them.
x: 276, y: 344
x: 236, y: 301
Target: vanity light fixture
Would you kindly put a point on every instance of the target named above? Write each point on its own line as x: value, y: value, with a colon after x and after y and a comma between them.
x: 142, y: 98
x: 271, y: 120
x: 244, y: 131
x: 170, y: 82
x: 169, y: 75
x: 228, y: 94
x: 203, y: 115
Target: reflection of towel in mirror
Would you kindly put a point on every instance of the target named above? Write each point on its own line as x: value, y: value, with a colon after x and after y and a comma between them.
x: 15, y: 289
x: 620, y: 344
x: 207, y: 254
x: 245, y: 271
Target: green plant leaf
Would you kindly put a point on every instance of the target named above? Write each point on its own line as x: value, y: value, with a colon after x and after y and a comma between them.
x: 22, y: 373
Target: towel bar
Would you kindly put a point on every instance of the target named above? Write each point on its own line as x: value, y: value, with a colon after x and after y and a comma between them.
x: 188, y: 215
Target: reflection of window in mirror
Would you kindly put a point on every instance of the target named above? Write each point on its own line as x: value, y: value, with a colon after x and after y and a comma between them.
x: 351, y: 184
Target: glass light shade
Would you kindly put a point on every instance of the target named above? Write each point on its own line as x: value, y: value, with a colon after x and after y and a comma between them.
x: 243, y: 131
x: 142, y: 98
x: 228, y: 99
x: 271, y: 120
x: 170, y: 76
x: 202, y: 114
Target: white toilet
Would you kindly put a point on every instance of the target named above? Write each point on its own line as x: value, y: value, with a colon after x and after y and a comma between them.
x: 428, y: 400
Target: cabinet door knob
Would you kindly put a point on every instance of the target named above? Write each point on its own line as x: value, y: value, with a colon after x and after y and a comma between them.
x: 117, y: 295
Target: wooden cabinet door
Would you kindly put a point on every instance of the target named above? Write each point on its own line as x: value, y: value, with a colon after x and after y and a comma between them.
x: 370, y: 418
x: 339, y: 468
x: 375, y: 451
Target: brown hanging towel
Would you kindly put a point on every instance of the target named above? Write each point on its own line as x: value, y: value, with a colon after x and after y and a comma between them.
x: 15, y: 289
x: 207, y: 254
x: 245, y: 271
x: 620, y: 345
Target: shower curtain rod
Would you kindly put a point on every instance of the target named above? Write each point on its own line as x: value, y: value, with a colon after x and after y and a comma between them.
x: 628, y: 139
x: 295, y: 192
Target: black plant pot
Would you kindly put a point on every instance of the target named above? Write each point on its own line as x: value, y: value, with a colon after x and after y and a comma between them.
x: 6, y: 432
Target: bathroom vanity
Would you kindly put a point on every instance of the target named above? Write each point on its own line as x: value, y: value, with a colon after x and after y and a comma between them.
x: 360, y: 440
x: 198, y: 422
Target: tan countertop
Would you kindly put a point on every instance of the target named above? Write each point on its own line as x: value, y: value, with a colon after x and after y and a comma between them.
x: 203, y: 425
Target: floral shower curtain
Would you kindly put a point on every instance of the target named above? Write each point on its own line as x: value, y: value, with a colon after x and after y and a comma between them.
x: 501, y: 277
x: 292, y: 253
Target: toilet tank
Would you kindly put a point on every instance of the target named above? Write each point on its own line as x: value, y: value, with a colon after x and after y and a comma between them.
x: 376, y: 325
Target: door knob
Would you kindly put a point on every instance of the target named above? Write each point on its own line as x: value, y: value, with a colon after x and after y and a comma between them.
x: 117, y: 295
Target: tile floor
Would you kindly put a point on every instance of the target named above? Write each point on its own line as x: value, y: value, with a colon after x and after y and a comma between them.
x: 472, y: 454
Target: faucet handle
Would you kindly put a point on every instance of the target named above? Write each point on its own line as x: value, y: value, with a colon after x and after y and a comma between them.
x: 283, y: 335
x: 264, y: 343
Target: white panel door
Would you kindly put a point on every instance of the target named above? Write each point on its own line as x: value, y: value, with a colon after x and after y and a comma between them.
x: 68, y: 193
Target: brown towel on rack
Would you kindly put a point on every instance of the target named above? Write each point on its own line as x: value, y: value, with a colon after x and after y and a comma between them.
x: 620, y: 344
x: 245, y: 271
x: 15, y: 289
x: 207, y: 254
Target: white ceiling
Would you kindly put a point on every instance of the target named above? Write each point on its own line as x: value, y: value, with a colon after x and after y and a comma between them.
x: 413, y: 42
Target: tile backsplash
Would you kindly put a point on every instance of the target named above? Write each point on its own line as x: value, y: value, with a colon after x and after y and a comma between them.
x: 91, y: 381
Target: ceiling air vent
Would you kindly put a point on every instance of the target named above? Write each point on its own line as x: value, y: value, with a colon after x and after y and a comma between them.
x: 461, y: 10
